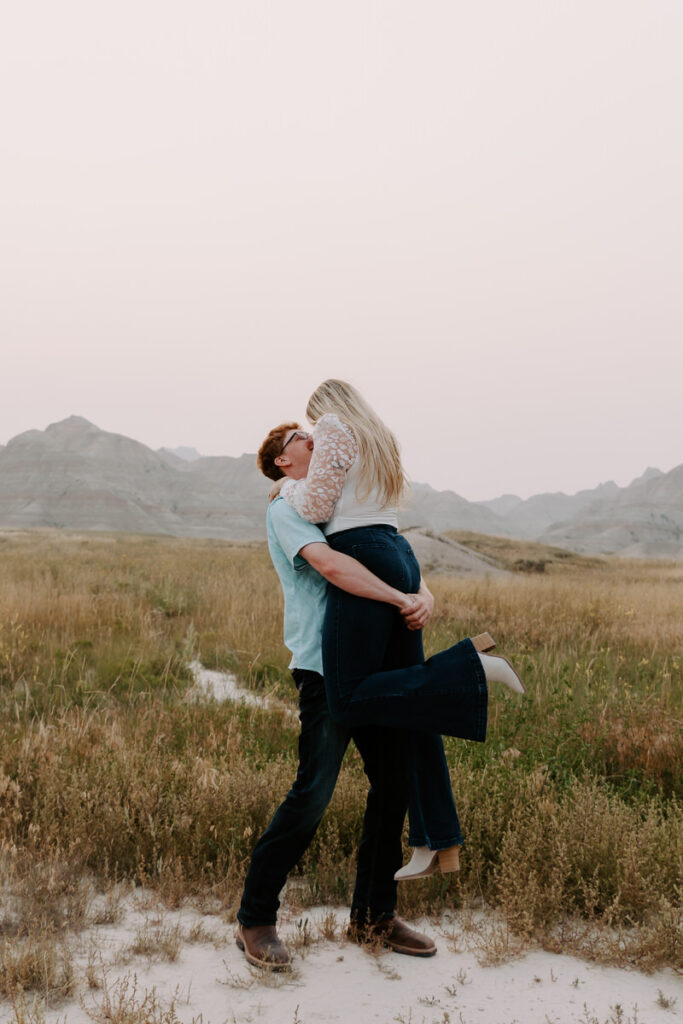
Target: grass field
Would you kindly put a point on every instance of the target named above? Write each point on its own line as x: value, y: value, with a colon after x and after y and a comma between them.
x: 109, y: 771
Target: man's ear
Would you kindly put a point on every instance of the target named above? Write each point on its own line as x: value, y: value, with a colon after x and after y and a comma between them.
x: 282, y: 461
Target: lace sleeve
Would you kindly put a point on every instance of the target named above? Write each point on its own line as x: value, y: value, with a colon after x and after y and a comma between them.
x: 334, y: 453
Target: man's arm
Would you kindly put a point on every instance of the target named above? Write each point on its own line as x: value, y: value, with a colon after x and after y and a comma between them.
x: 349, y: 574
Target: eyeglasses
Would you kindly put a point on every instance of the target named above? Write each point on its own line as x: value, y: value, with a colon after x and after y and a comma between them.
x: 301, y: 435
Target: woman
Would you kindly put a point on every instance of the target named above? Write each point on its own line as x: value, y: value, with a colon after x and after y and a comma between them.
x: 374, y: 667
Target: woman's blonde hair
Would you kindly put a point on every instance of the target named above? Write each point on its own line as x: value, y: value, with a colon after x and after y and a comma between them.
x: 379, y: 459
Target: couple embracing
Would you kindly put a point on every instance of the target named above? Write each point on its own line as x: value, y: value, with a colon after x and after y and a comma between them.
x: 355, y: 604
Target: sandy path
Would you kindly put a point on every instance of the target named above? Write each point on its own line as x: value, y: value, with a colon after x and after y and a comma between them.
x: 335, y: 981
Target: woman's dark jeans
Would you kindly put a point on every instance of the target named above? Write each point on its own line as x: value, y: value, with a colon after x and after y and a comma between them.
x: 375, y: 674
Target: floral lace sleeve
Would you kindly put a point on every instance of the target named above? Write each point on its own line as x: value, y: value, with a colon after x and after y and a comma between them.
x: 334, y: 453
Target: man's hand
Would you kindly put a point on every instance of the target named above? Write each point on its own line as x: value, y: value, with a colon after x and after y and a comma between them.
x: 418, y: 608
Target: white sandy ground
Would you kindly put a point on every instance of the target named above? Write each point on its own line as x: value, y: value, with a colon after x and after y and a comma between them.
x: 336, y: 981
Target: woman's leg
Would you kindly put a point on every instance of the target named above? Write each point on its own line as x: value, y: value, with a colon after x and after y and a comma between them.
x: 433, y: 817
x: 364, y: 638
x: 445, y: 694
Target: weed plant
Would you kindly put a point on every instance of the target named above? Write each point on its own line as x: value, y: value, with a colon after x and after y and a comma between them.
x: 110, y: 771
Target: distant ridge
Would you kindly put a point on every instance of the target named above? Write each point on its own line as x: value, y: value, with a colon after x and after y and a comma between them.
x: 643, y: 520
x: 188, y: 454
x: 76, y: 476
x: 73, y: 475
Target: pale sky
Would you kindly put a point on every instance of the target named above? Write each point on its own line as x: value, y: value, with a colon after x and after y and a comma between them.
x: 472, y: 211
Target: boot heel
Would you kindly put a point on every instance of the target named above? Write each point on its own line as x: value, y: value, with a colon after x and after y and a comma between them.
x: 483, y: 642
x: 449, y: 860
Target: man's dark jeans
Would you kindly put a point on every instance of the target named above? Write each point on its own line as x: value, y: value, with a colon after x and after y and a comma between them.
x: 322, y: 744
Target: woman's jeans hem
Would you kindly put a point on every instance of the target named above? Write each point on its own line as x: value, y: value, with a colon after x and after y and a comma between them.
x: 437, y: 844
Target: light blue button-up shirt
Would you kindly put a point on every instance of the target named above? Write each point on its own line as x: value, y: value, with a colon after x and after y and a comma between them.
x: 304, y: 589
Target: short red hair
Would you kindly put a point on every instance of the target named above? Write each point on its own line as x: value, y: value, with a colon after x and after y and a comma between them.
x: 271, y: 448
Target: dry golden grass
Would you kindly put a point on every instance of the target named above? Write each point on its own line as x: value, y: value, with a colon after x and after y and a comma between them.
x: 123, y: 1003
x: 571, y: 810
x: 35, y: 963
x: 524, y: 555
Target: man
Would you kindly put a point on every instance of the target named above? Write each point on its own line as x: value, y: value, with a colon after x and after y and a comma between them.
x: 304, y: 562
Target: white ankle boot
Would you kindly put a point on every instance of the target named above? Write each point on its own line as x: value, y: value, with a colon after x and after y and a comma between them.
x: 499, y: 670
x: 424, y: 862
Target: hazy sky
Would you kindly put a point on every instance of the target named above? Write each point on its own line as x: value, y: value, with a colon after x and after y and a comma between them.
x: 472, y: 211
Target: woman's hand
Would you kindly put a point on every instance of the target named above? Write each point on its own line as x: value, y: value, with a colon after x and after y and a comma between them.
x: 275, y: 489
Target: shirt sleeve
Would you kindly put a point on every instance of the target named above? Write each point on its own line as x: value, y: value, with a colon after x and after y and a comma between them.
x: 293, y: 532
x: 335, y: 451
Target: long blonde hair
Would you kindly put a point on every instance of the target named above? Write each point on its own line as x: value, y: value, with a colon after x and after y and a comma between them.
x: 379, y: 459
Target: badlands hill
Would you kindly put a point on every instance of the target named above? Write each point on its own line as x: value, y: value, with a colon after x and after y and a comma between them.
x: 75, y: 476
x: 644, y: 520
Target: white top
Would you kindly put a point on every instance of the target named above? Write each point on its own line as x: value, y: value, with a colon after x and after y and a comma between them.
x: 328, y: 494
x: 350, y: 512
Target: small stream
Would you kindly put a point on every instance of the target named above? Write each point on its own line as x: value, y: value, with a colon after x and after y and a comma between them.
x: 225, y: 686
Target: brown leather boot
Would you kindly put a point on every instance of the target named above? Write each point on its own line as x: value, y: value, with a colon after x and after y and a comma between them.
x: 396, y: 934
x: 262, y: 947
